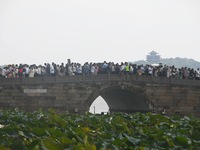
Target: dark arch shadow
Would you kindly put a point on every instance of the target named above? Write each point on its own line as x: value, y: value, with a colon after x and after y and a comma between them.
x: 122, y: 98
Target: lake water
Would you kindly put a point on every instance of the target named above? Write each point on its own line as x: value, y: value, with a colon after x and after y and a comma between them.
x: 98, y: 106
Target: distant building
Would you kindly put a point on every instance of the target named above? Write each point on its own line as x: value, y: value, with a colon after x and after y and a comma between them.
x: 153, y: 57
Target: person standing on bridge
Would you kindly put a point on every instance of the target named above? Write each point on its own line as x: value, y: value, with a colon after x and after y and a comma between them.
x: 127, y: 68
x: 86, y: 68
x: 32, y: 71
x: 105, y: 67
x: 197, y: 74
x: 92, y: 69
x: 27, y: 69
x: 122, y: 68
x: 47, y: 68
x: 70, y: 69
x: 52, y: 70
x: 79, y: 69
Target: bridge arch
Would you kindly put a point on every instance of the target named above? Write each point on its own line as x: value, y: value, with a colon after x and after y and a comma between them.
x: 121, y: 97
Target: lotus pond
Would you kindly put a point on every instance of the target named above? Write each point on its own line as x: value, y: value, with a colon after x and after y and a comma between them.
x: 40, y: 130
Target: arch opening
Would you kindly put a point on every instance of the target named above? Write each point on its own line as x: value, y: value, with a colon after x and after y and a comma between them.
x: 99, y: 106
x: 125, y: 100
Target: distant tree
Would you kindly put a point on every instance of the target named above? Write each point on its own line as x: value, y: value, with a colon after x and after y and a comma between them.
x: 177, y: 62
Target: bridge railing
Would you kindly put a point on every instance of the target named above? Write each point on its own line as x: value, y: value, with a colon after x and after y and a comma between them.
x: 100, y: 78
x: 10, y: 81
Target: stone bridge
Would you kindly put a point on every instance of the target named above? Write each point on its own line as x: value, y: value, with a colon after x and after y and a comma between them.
x: 123, y: 93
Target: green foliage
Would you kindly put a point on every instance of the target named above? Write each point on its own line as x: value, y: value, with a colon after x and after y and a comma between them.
x: 48, y: 130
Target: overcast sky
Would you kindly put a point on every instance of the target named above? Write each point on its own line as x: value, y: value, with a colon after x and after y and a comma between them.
x: 39, y: 31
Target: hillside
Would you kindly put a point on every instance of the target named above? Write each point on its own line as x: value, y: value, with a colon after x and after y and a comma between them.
x: 177, y: 62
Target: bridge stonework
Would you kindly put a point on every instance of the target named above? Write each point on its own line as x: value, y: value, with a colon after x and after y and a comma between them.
x: 123, y: 93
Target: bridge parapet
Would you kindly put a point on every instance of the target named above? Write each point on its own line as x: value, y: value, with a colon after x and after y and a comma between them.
x: 99, y: 78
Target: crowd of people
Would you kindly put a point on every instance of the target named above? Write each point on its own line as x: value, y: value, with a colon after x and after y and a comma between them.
x: 72, y: 68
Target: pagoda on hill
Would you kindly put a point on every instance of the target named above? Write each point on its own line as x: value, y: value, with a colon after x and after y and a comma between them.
x: 153, y: 57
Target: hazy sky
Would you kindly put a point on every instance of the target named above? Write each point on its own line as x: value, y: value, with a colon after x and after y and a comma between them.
x: 39, y: 31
